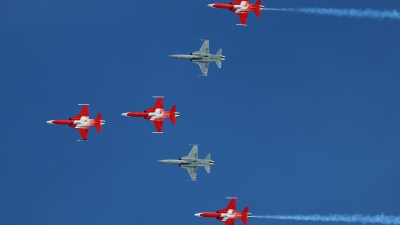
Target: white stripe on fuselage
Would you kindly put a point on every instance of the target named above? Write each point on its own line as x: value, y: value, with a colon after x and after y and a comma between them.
x: 84, y: 122
x: 243, y: 5
x: 227, y: 215
x: 156, y: 114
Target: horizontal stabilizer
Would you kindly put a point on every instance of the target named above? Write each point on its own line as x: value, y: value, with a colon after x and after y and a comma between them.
x: 219, y: 64
x: 98, y: 123
x: 172, y: 114
x: 207, y: 169
x: 208, y: 157
x: 244, y: 218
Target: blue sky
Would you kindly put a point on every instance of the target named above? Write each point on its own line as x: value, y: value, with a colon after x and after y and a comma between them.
x: 303, y: 117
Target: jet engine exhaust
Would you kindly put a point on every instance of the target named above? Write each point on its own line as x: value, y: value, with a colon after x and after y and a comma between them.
x: 357, y: 218
x: 357, y: 13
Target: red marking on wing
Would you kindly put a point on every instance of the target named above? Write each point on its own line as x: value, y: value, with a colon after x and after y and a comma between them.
x: 84, y: 133
x: 243, y: 17
x: 158, y: 124
x: 84, y: 111
x: 230, y: 222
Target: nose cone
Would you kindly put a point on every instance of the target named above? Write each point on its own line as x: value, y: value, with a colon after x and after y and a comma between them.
x: 161, y: 161
x: 197, y: 214
x: 211, y: 5
x: 124, y: 114
x: 49, y: 121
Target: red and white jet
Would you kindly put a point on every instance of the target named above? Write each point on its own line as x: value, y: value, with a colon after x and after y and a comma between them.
x: 242, y: 8
x: 82, y: 122
x: 157, y: 114
x: 229, y: 214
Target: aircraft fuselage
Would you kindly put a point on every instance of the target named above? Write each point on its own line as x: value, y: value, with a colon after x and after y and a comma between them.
x: 223, y: 216
x: 188, y: 162
x: 152, y: 115
x: 83, y: 122
x: 200, y: 57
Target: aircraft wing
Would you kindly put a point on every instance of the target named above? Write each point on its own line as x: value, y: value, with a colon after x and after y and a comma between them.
x: 243, y: 17
x: 84, y: 111
x: 159, y: 104
x: 194, y: 154
x: 239, y: 2
x: 203, y: 67
x: 83, y: 132
x: 230, y: 222
x: 158, y: 124
x: 192, y: 172
x: 231, y: 205
x: 205, y: 48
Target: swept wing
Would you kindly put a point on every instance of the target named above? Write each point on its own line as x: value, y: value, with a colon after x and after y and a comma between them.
x: 204, y: 67
x: 194, y: 152
x: 192, y: 172
x: 83, y: 131
x: 205, y: 48
x: 158, y: 124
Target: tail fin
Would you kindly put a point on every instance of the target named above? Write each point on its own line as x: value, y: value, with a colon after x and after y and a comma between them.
x: 172, y: 114
x: 207, y: 168
x: 244, y: 215
x: 98, y: 123
x: 258, y: 12
x: 219, y: 64
x: 208, y: 157
x: 219, y: 53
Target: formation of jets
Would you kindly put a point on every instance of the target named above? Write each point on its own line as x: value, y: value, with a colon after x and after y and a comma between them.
x: 157, y: 114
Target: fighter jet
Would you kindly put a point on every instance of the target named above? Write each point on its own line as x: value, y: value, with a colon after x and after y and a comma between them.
x: 157, y: 114
x: 242, y: 8
x: 82, y: 122
x: 191, y: 162
x: 203, y: 57
x: 229, y: 214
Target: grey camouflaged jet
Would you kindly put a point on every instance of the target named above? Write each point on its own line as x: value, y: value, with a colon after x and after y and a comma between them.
x: 191, y: 162
x: 203, y: 57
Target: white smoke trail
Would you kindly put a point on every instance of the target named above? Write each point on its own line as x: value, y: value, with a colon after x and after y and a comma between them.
x: 357, y: 13
x: 382, y: 219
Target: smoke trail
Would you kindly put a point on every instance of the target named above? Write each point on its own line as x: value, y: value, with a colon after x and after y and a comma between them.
x: 387, y: 220
x: 357, y: 13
